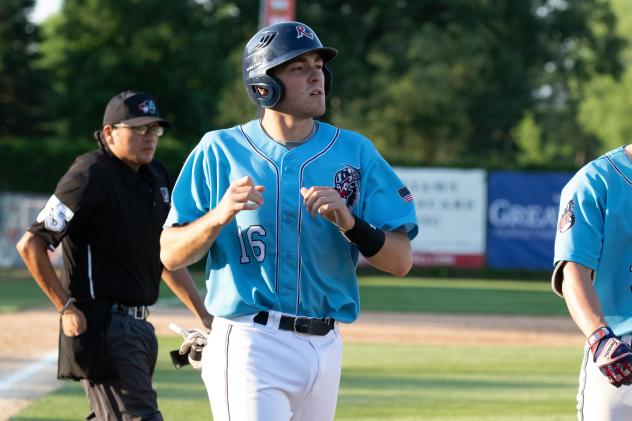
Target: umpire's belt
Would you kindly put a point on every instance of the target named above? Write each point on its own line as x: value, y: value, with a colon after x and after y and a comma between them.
x: 137, y: 312
x: 306, y: 325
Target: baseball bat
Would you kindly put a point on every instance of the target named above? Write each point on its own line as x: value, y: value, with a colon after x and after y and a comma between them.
x: 177, y: 329
x: 177, y: 359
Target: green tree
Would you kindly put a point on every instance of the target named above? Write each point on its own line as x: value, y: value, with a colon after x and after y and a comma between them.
x: 533, y: 152
x: 608, y: 104
x: 22, y: 85
x: 585, y: 48
x: 432, y: 83
x: 447, y: 82
x: 175, y: 50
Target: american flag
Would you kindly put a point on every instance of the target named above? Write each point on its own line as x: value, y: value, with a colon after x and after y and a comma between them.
x: 406, y: 194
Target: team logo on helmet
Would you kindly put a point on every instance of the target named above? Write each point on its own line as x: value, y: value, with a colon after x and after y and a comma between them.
x: 147, y: 107
x: 302, y: 31
x: 567, y: 220
x: 347, y: 184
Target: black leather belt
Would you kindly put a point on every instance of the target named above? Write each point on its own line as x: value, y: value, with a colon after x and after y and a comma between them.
x: 137, y: 312
x: 306, y: 325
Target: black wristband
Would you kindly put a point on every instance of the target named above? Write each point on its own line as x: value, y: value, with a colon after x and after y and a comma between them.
x: 368, y: 239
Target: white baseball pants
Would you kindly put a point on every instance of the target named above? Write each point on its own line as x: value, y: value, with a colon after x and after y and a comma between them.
x: 254, y: 372
x: 597, y: 399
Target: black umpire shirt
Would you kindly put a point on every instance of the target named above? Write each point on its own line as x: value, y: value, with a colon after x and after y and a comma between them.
x: 108, y: 219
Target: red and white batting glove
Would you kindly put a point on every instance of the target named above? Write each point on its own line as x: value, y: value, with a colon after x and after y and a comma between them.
x: 613, y: 357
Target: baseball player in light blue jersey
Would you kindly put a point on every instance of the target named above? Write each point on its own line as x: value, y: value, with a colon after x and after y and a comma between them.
x: 593, y: 272
x: 282, y: 207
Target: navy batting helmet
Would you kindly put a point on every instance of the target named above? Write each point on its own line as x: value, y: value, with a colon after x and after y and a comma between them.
x: 274, y: 45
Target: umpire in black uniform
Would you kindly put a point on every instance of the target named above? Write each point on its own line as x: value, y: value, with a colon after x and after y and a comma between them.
x: 107, y: 211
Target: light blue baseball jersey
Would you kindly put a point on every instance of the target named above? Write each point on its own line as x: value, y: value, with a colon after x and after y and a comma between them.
x: 595, y: 230
x: 279, y: 257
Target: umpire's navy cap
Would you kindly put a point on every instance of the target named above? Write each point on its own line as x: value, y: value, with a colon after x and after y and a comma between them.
x: 133, y: 109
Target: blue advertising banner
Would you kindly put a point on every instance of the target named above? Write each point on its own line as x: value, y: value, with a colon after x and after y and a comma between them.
x: 522, y: 218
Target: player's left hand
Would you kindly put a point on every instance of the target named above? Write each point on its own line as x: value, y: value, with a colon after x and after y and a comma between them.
x: 614, y: 359
x: 327, y: 202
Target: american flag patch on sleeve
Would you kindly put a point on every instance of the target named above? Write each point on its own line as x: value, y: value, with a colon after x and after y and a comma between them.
x: 406, y: 195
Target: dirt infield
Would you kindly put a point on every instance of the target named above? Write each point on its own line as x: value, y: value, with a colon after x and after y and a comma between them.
x: 28, y: 341
x: 436, y: 329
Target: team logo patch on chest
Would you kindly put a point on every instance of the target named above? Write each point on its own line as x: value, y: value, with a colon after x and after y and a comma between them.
x: 567, y: 220
x: 347, y: 184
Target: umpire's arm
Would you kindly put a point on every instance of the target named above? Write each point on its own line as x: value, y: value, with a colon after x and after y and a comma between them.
x: 33, y: 251
x: 182, y: 285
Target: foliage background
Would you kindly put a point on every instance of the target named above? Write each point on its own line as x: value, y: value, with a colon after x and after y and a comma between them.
x: 537, y: 84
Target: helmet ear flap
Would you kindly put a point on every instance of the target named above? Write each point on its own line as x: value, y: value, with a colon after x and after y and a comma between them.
x: 273, y: 87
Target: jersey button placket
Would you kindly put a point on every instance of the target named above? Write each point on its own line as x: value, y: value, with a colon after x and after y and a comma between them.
x: 288, y: 272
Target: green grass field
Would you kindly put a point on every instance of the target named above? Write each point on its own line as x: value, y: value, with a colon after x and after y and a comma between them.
x: 19, y: 291
x: 389, y: 381
x: 410, y: 294
x: 465, y: 296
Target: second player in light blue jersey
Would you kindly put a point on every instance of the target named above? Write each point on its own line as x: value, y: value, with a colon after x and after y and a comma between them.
x: 593, y: 257
x: 282, y: 207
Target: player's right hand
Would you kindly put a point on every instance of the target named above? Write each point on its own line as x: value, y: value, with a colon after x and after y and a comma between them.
x: 614, y: 359
x: 73, y: 321
x: 242, y: 194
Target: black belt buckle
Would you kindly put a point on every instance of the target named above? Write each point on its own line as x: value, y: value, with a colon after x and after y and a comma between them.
x: 304, y: 325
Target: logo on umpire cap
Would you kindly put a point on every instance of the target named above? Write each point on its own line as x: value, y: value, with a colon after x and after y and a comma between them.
x: 147, y: 107
x: 567, y: 220
x: 347, y: 184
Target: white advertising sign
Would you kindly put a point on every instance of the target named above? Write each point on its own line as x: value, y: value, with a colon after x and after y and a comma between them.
x: 17, y: 213
x: 451, y: 209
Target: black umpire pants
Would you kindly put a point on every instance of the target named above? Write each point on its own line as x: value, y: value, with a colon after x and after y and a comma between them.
x: 131, y: 397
